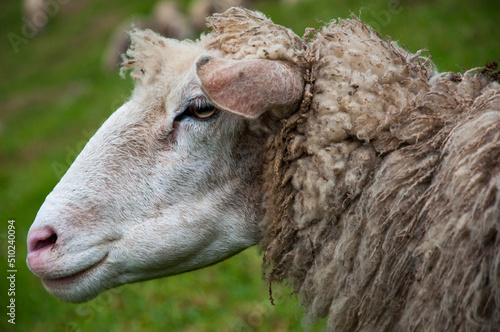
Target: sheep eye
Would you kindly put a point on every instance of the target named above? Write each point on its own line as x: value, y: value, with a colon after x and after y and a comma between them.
x: 203, y: 111
x: 198, y: 109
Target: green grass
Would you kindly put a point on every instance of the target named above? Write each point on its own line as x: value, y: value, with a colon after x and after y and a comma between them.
x: 54, y: 95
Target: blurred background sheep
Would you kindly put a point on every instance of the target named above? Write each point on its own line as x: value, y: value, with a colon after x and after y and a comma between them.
x: 169, y: 21
x: 166, y: 19
x: 36, y: 13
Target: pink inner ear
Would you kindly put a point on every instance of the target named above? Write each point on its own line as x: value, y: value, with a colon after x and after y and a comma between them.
x: 248, y: 88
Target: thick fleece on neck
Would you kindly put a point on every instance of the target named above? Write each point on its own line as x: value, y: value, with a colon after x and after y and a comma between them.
x: 382, y: 197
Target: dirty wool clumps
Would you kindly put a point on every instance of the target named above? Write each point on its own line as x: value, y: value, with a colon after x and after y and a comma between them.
x: 242, y: 34
x: 382, y: 196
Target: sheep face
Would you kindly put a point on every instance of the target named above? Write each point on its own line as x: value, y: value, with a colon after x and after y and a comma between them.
x: 169, y: 183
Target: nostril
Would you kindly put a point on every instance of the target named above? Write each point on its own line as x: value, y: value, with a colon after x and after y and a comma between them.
x: 45, y: 242
x: 40, y: 239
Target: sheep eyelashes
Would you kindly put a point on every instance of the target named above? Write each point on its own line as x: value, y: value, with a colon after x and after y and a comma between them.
x: 249, y: 88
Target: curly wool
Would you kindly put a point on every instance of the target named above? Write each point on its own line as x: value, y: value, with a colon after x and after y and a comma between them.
x: 243, y: 34
x: 382, y: 197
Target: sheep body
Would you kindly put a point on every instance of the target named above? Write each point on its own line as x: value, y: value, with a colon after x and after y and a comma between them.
x: 382, y: 204
x: 382, y: 200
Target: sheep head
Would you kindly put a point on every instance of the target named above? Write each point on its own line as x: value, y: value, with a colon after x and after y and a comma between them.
x: 171, y: 181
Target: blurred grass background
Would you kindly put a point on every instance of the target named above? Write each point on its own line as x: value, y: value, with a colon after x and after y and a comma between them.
x: 54, y: 95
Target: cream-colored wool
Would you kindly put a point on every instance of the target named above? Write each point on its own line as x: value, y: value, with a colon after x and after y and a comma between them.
x: 242, y: 34
x: 382, y: 191
x: 385, y: 212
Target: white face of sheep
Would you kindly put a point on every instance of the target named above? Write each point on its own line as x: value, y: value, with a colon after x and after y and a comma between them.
x: 168, y: 183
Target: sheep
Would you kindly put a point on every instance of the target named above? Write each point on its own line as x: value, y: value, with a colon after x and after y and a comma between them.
x: 200, y: 9
x: 36, y: 14
x: 166, y: 19
x: 370, y: 180
x: 169, y: 21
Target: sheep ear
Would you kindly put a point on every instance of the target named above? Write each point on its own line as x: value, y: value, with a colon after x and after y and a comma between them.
x: 249, y: 88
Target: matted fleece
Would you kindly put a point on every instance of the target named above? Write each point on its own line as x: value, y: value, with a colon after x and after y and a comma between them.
x: 382, y: 191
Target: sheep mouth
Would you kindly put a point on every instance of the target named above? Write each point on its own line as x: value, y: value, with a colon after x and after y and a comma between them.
x: 72, y: 278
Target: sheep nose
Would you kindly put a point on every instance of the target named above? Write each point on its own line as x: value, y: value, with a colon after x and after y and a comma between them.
x: 40, y: 239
